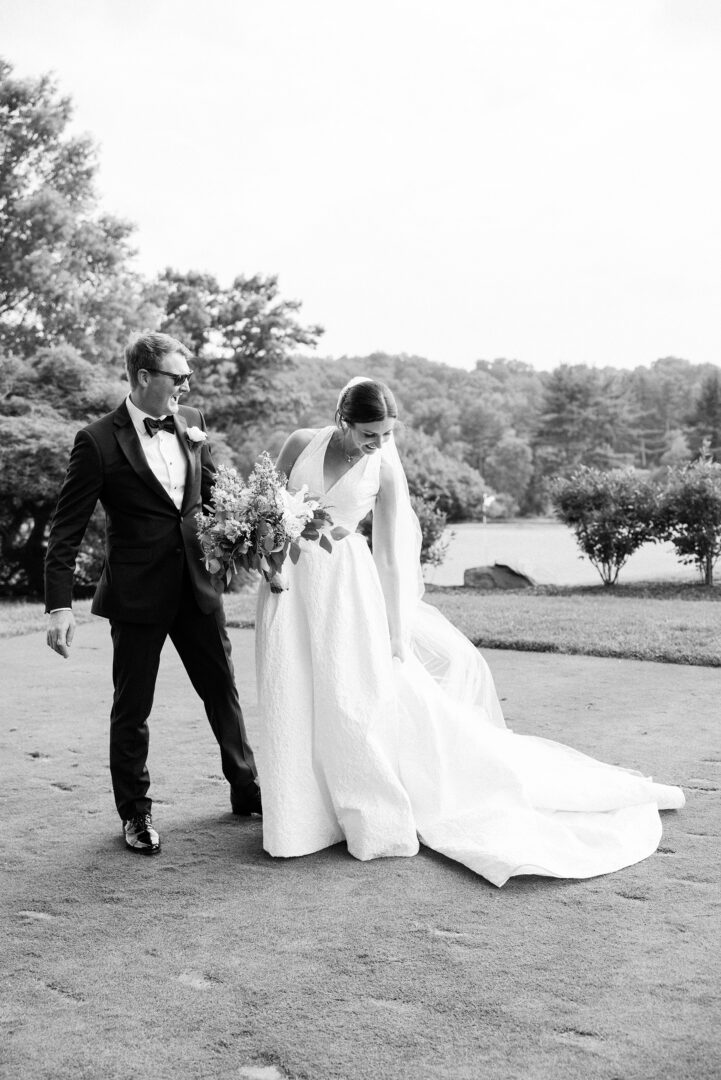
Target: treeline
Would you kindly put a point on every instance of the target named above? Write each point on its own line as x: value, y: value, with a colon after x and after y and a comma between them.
x: 473, y: 442
x: 507, y: 429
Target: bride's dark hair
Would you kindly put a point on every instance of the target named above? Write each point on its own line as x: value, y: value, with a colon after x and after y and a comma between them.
x: 365, y: 403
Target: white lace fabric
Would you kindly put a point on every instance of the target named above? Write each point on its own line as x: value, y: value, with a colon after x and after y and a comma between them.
x: 359, y: 747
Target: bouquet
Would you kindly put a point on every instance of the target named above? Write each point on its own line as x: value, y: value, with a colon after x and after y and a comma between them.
x: 256, y: 524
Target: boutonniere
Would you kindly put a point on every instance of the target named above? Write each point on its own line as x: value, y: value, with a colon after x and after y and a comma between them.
x: 196, y: 437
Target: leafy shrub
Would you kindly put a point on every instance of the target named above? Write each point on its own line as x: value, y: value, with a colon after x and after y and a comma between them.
x: 34, y: 449
x: 612, y: 514
x: 689, y: 514
x: 433, y: 524
x: 434, y: 543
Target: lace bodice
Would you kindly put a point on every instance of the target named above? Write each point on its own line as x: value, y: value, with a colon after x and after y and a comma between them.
x: 351, y: 497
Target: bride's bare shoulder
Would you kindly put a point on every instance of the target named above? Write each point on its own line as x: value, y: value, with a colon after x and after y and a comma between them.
x: 299, y: 439
x: 304, y: 434
x: 293, y: 447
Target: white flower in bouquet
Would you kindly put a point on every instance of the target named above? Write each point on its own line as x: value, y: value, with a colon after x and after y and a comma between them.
x: 257, y: 524
x: 299, y: 508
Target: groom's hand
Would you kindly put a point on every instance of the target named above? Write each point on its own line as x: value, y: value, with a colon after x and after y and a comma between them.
x: 61, y: 630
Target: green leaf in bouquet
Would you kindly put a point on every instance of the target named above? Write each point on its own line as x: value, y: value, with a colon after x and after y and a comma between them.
x: 276, y: 559
x: 214, y: 566
x: 310, y: 533
x: 338, y: 532
x: 294, y: 552
x: 325, y: 543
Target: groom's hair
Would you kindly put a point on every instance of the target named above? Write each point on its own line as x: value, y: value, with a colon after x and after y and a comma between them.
x: 366, y: 402
x: 147, y: 350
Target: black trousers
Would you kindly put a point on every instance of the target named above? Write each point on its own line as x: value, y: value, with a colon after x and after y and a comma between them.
x: 204, y: 648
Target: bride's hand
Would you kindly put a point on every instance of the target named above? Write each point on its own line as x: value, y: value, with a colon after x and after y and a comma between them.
x: 399, y: 649
x: 278, y: 582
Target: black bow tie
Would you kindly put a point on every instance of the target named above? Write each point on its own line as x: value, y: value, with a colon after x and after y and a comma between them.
x: 153, y: 426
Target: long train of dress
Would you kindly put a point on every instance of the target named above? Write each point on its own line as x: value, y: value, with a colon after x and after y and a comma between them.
x: 359, y: 747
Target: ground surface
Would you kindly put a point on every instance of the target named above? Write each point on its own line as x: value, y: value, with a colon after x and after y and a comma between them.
x: 213, y: 960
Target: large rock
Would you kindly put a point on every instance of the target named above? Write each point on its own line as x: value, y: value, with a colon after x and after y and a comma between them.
x: 498, y: 576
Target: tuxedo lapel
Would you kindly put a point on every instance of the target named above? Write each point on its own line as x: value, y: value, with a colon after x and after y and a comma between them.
x: 181, y: 432
x: 129, y: 443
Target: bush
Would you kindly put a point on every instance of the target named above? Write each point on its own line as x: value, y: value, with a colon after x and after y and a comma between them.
x: 434, y: 542
x: 34, y: 449
x: 612, y: 514
x: 433, y: 526
x: 689, y: 514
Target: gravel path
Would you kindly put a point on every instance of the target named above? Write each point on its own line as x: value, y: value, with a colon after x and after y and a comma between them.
x: 215, y: 961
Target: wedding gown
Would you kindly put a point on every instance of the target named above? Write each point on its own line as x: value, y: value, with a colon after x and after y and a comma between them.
x: 357, y: 746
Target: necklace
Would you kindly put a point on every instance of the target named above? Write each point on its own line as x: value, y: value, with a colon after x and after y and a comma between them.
x: 350, y: 458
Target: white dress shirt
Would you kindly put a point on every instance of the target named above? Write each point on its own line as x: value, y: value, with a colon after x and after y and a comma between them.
x: 163, y: 454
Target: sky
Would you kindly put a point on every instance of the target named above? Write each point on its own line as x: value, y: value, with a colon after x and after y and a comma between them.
x: 456, y: 179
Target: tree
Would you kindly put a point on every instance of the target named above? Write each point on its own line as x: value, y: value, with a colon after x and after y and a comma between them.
x: 64, y: 272
x: 245, y: 335
x: 612, y: 514
x: 705, y: 419
x: 689, y: 513
x: 482, y: 427
x: 586, y: 420
x: 677, y: 449
x: 517, y: 388
x: 68, y: 300
x: 509, y: 466
x: 662, y: 394
x: 45, y: 398
x: 33, y: 453
x: 453, y: 487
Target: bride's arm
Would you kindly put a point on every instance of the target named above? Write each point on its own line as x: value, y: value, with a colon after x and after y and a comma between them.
x: 292, y: 449
x: 386, y: 556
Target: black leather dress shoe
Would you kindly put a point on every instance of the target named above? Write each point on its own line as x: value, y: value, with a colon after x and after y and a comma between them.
x: 246, y: 804
x: 140, y: 835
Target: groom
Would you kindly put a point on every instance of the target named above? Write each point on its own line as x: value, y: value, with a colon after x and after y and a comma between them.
x: 149, y: 465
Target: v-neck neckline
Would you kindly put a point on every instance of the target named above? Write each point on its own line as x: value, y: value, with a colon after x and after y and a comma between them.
x: 326, y: 489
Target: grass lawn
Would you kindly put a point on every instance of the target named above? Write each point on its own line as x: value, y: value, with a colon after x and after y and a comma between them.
x: 672, y: 623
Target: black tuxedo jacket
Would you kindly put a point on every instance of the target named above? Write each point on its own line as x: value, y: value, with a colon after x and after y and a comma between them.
x: 148, y: 541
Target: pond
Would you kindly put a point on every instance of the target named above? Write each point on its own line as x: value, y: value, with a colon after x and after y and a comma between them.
x: 547, y: 552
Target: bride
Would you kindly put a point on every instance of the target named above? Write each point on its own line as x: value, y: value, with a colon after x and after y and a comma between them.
x: 379, y: 721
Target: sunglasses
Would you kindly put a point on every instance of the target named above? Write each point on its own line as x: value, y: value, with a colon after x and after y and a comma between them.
x: 178, y: 380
